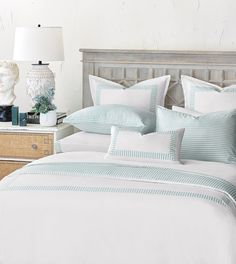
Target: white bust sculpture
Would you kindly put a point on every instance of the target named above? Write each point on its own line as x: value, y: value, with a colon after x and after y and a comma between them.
x: 9, y: 75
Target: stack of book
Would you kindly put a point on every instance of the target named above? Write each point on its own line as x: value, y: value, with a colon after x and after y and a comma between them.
x: 33, y: 118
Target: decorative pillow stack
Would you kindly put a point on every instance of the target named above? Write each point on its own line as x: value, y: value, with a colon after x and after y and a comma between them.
x: 206, y: 127
x: 115, y: 105
x: 209, y: 118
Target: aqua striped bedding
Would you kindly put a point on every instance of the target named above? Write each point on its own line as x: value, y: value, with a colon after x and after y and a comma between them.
x: 168, y: 176
x: 76, y: 207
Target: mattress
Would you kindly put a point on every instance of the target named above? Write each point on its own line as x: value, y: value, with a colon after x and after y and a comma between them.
x: 78, y: 208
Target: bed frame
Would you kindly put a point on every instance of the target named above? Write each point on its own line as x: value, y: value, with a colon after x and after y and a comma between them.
x: 131, y: 66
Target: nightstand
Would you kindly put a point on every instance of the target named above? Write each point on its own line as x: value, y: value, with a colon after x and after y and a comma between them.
x: 21, y: 145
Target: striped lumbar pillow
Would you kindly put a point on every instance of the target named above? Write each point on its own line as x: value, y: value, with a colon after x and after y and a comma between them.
x: 153, y: 147
x: 210, y: 137
x: 206, y: 97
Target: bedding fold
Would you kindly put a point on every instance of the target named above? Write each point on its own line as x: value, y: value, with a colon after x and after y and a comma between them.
x: 116, y: 172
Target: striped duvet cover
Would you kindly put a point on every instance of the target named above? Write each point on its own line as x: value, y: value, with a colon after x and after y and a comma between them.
x: 77, y: 208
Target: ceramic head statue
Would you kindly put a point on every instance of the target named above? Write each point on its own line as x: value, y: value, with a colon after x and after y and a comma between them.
x: 9, y: 75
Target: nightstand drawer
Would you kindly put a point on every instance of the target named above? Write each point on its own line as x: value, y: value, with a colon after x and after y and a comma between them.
x: 26, y: 145
x: 6, y: 167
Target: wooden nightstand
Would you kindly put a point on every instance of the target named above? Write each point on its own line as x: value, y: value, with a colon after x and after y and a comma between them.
x: 21, y: 145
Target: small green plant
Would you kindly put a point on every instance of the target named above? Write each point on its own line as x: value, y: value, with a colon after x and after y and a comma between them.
x: 43, y: 104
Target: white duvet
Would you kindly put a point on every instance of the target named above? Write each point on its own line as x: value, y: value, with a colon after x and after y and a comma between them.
x: 64, y: 225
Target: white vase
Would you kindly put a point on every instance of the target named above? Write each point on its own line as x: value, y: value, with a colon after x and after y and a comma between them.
x: 48, y: 119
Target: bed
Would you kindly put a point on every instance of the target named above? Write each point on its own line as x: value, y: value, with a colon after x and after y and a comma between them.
x: 76, y: 207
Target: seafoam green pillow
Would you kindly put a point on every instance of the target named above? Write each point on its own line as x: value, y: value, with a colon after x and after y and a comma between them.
x: 210, y: 137
x: 100, y: 119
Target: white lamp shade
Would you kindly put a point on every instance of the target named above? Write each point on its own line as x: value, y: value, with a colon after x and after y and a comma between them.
x: 38, y: 44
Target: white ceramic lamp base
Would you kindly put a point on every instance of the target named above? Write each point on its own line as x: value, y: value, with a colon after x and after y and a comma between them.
x: 40, y: 81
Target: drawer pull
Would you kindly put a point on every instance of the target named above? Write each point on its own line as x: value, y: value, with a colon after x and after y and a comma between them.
x: 34, y: 146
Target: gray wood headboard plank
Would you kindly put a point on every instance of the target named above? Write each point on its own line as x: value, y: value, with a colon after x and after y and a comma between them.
x: 131, y: 66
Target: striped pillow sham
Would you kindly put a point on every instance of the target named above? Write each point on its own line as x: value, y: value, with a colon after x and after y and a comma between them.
x: 150, y: 148
x: 209, y: 137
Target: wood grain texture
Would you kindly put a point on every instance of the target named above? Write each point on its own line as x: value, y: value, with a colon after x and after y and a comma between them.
x: 6, y: 167
x: 131, y: 66
x: 25, y: 145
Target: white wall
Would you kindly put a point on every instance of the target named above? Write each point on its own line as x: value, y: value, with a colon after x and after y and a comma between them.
x: 119, y: 24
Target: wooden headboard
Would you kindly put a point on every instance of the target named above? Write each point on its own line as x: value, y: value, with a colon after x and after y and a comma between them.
x: 131, y: 66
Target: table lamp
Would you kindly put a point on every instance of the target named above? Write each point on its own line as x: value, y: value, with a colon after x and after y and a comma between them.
x: 39, y: 44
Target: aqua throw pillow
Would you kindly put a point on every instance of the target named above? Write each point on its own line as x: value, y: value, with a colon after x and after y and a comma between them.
x: 100, y: 119
x: 209, y: 137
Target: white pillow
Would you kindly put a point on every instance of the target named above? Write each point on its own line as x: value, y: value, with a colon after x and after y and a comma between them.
x: 185, y: 111
x: 83, y: 141
x: 145, y: 95
x: 153, y: 147
x: 205, y: 97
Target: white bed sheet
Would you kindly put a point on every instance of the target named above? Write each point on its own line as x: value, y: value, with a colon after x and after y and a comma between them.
x: 81, y: 227
x: 83, y: 141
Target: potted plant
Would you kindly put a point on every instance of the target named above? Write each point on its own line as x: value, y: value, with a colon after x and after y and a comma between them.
x: 47, y: 110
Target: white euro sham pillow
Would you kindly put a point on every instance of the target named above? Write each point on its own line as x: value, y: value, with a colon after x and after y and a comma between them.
x: 145, y: 95
x: 206, y: 97
x: 149, y: 148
